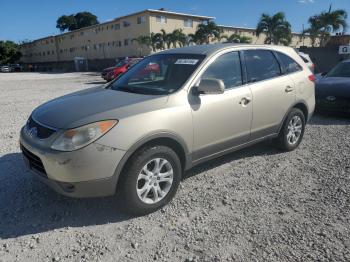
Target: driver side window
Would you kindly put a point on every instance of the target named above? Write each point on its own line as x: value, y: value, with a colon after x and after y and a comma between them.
x: 227, y: 68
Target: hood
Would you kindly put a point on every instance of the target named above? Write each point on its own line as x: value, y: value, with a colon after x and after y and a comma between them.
x: 334, y: 86
x: 93, y: 105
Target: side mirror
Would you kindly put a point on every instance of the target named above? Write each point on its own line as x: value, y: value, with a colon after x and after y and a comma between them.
x: 324, y: 73
x: 210, y: 86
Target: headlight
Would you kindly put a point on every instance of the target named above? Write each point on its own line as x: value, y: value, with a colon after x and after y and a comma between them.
x: 79, y: 137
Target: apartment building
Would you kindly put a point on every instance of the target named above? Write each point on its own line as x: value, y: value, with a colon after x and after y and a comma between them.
x: 110, y: 39
x: 114, y: 39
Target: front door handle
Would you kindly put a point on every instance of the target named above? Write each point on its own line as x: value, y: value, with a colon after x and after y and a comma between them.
x: 289, y: 89
x: 245, y: 101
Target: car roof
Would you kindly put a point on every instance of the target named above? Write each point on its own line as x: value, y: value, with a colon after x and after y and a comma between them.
x: 209, y: 49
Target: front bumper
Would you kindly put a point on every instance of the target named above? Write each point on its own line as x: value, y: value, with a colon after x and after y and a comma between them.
x: 87, y: 172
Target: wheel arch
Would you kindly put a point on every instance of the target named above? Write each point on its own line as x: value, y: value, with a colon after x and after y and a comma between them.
x: 173, y: 141
x: 300, y: 105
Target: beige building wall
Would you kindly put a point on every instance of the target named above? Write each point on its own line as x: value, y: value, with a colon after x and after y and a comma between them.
x: 41, y: 50
x: 114, y: 39
x: 108, y: 40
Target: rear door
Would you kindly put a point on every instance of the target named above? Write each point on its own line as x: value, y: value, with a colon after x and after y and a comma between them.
x: 273, y: 91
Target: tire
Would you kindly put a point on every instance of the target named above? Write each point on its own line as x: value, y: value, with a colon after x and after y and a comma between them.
x: 146, y: 158
x: 286, y: 141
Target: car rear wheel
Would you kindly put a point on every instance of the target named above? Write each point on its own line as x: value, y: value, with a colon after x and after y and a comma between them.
x: 292, y: 131
x: 151, y: 179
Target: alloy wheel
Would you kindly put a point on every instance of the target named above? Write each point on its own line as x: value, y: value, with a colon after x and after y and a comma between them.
x: 295, y: 127
x: 154, y: 180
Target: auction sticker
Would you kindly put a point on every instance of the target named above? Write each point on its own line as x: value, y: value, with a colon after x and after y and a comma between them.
x: 186, y: 61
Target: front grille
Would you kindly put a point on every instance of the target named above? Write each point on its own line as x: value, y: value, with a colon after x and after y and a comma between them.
x: 34, y: 161
x: 42, y: 132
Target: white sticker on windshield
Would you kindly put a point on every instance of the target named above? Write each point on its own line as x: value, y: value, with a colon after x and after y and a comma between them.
x: 186, y: 61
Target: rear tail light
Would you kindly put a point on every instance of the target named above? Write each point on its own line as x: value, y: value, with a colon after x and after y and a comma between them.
x: 312, y: 78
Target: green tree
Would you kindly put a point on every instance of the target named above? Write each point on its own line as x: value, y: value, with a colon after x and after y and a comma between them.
x: 236, y: 38
x: 166, y: 39
x: 207, y: 31
x: 142, y: 40
x: 179, y: 37
x: 76, y: 21
x: 326, y: 23
x: 9, y: 52
x: 276, y: 28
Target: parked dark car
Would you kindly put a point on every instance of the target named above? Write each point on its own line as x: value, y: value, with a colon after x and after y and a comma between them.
x: 333, y: 89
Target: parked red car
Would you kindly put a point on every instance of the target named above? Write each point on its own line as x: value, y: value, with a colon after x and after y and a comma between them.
x: 113, y: 72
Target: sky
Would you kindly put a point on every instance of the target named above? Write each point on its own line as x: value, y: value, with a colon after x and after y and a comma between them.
x: 31, y: 19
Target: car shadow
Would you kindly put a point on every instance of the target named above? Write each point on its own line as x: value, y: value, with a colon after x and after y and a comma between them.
x: 261, y: 149
x: 29, y: 207
x: 327, y: 118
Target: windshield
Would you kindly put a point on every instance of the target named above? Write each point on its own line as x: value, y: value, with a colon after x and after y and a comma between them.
x: 341, y: 70
x: 160, y: 74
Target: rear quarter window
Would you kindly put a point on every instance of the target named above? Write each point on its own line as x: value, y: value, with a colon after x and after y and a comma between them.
x: 289, y: 64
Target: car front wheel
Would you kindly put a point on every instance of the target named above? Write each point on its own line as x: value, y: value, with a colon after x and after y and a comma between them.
x: 151, y: 180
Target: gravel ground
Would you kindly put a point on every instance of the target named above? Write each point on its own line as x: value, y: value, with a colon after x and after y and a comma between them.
x: 256, y: 204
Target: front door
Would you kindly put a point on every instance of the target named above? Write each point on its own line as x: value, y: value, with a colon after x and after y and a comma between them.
x: 222, y: 121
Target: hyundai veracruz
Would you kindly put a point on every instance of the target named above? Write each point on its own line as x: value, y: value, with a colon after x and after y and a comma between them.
x: 138, y: 134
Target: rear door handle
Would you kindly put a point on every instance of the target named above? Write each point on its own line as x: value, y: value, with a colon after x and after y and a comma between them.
x: 289, y: 89
x: 245, y: 101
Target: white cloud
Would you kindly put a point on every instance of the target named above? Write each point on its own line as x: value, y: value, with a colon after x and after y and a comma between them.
x: 306, y: 1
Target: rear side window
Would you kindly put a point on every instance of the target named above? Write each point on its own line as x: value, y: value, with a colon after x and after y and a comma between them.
x: 261, y: 65
x: 227, y: 68
x: 289, y: 65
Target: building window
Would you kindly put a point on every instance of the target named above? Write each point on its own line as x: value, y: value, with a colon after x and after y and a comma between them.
x: 126, y: 42
x: 82, y: 33
x: 126, y: 23
x: 116, y: 26
x: 188, y: 22
x: 141, y: 19
x: 119, y: 43
x: 161, y: 19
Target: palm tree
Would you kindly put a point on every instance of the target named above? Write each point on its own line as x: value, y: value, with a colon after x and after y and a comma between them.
x: 166, y: 39
x: 324, y: 24
x: 276, y: 27
x: 179, y: 37
x: 221, y: 37
x: 154, y: 41
x: 207, y: 31
x: 142, y: 40
x: 194, y: 38
x: 236, y: 38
